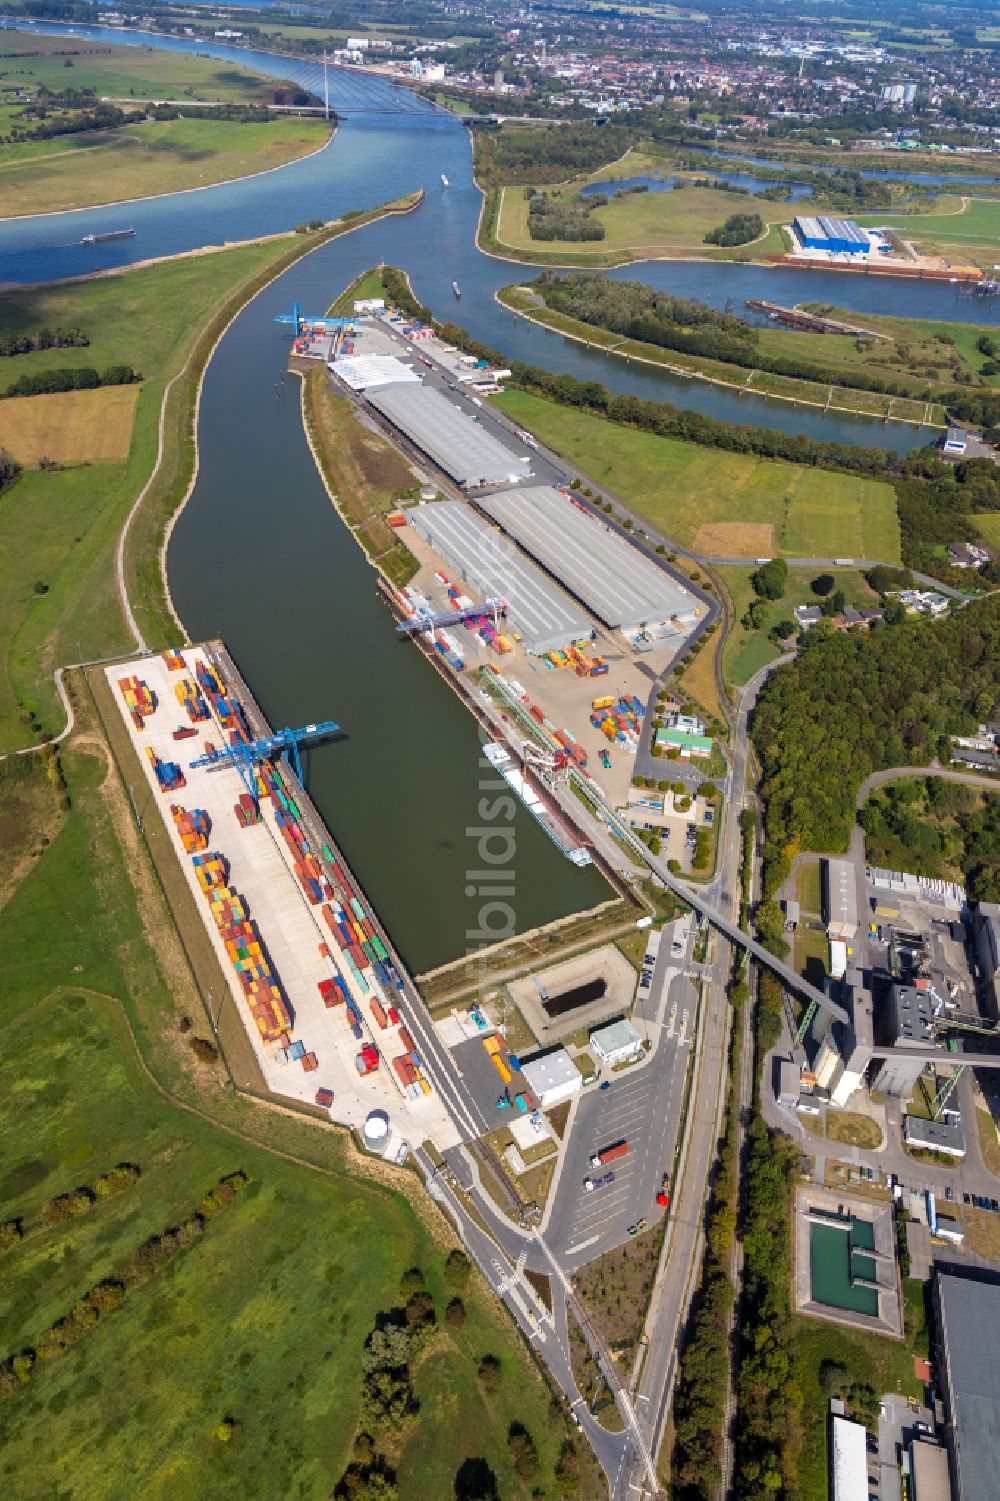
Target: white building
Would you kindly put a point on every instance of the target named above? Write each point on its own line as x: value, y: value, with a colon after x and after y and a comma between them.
x: 616, y: 1043
x: 848, y: 1460
x: 552, y: 1078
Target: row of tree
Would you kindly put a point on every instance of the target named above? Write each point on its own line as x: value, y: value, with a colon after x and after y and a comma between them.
x: 78, y: 378
x: 43, y: 338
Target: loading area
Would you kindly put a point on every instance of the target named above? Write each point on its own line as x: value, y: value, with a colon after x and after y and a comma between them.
x: 307, y: 967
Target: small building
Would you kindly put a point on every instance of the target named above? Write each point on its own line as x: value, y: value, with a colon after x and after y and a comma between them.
x: 685, y: 742
x: 929, y: 1479
x: 789, y: 1081
x: 969, y: 554
x: 934, y: 1136
x: 552, y: 1077
x: 955, y: 441
x: 793, y: 913
x: 807, y: 616
x: 840, y: 898
x: 616, y: 1043
x: 848, y: 1460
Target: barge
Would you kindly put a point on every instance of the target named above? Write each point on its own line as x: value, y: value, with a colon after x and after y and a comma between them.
x: 109, y: 234
x: 504, y: 763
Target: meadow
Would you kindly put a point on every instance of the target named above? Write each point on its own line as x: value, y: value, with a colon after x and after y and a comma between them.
x: 746, y: 651
x: 720, y: 503
x: 88, y: 427
x: 263, y: 1319
x: 139, y: 161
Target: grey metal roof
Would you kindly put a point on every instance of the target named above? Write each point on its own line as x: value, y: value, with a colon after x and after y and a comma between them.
x: 457, y: 445
x: 490, y: 566
x: 970, y: 1331
x: 841, y: 894
x: 608, y: 575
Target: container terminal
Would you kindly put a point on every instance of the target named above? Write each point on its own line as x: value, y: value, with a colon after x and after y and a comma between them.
x: 497, y: 521
x: 331, y: 1013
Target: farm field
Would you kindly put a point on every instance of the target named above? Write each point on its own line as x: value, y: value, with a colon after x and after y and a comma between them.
x: 89, y: 427
x: 65, y: 62
x: 643, y: 225
x: 262, y: 1319
x: 137, y: 161
x: 58, y: 528
x: 707, y: 499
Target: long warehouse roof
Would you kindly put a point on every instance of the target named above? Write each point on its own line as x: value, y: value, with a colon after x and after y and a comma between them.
x: 456, y: 443
x: 490, y: 567
x: 613, y: 579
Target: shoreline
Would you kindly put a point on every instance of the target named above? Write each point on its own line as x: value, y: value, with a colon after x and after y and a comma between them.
x: 713, y: 380
x: 205, y: 187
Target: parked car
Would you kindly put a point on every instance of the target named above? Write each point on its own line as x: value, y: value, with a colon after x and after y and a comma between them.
x: 606, y: 1084
x: 949, y: 1194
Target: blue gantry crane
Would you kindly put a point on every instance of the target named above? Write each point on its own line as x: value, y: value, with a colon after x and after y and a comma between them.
x: 297, y: 318
x: 246, y: 755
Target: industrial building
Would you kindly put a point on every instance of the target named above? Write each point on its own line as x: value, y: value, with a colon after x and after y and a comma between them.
x: 968, y: 1369
x: 848, y: 1460
x: 846, y: 1049
x: 454, y: 442
x: 833, y: 236
x: 934, y: 1136
x: 552, y: 1077
x: 840, y: 899
x: 928, y: 1471
x: 621, y: 587
x: 986, y: 943
x: 366, y: 372
x: 616, y: 1043
x: 906, y: 1019
x: 491, y: 568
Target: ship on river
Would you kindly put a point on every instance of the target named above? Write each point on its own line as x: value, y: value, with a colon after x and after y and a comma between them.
x: 503, y: 762
x: 109, y: 234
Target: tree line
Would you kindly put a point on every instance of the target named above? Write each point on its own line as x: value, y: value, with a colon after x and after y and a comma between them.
x: 737, y: 229
x: 79, y: 378
x: 43, y: 338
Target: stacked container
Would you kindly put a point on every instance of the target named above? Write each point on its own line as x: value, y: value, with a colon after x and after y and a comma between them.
x: 172, y: 660
x: 246, y: 810
x: 192, y: 827
x: 191, y: 701
x: 168, y: 774
x: 138, y: 700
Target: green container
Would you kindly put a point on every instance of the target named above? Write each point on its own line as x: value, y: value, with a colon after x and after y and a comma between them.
x: 379, y: 948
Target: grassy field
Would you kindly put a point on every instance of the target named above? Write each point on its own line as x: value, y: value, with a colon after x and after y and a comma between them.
x: 642, y: 224
x: 163, y: 156
x: 368, y: 284
x: 363, y: 471
x: 59, y: 527
x: 264, y: 1318
x: 34, y: 61
x: 988, y: 522
x: 685, y: 489
x: 89, y: 427
x: 959, y: 226
x: 809, y: 887
x: 745, y: 652
x: 699, y: 679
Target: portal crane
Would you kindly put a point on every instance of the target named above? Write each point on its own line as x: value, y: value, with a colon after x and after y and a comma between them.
x: 551, y: 761
x: 438, y: 620
x: 246, y: 755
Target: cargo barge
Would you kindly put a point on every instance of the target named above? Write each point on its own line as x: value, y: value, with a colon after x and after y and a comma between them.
x: 109, y: 234
x: 504, y: 763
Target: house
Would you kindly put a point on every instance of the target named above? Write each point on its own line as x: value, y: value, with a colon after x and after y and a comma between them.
x: 807, y: 616
x: 852, y: 618
x: 969, y: 554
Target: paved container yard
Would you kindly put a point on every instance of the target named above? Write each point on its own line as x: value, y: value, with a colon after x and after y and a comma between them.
x: 295, y: 941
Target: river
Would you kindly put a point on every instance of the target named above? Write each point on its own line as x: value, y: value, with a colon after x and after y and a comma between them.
x: 260, y: 557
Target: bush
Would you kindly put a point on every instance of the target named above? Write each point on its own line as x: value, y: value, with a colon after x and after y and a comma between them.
x: 490, y: 1373
x: 117, y: 1180
x: 412, y: 1281
x: 203, y: 1050
x: 68, y: 1206
x: 522, y: 1451
x: 11, y: 1234
x: 455, y: 1314
x: 457, y: 1269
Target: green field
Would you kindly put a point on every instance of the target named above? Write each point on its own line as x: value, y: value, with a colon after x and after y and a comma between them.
x: 988, y: 523
x: 958, y: 226
x: 723, y: 503
x: 264, y: 1318
x: 642, y: 225
x: 58, y: 528
x: 65, y: 62
x: 141, y: 160
x: 745, y: 652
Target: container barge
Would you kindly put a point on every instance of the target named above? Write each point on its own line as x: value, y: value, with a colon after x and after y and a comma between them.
x: 504, y: 763
x: 109, y: 234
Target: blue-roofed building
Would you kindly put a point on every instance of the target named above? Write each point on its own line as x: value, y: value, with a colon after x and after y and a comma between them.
x: 841, y: 236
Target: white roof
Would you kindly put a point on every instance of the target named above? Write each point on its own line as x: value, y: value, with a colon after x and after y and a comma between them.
x: 456, y: 443
x: 364, y: 372
x: 551, y: 1071
x: 850, y: 1460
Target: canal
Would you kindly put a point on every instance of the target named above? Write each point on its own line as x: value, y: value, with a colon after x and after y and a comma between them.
x: 260, y: 557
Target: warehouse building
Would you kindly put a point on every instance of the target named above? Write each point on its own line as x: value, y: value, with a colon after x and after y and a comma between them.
x: 624, y: 589
x: 848, y: 1460
x: 840, y: 899
x: 552, y: 1078
x: 491, y: 568
x: 833, y: 236
x: 366, y: 372
x: 453, y: 441
x: 968, y: 1369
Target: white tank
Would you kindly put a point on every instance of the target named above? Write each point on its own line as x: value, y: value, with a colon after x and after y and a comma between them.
x: 376, y: 1131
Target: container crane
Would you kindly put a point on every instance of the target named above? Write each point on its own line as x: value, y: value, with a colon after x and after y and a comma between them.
x: 297, y: 318
x: 246, y: 755
x: 433, y: 621
x: 550, y: 761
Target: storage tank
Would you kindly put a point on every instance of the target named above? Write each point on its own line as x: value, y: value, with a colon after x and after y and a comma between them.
x: 376, y: 1131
